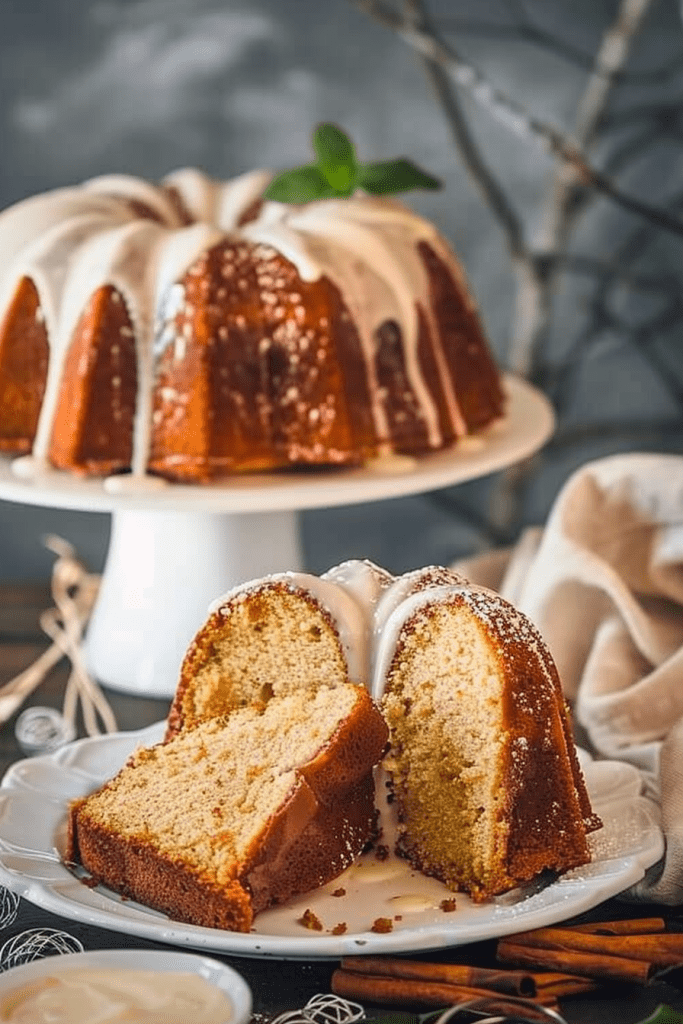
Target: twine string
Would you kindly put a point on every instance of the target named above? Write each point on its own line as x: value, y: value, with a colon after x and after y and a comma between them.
x: 323, y: 1008
x: 36, y: 943
x: 74, y: 591
x: 333, y: 1009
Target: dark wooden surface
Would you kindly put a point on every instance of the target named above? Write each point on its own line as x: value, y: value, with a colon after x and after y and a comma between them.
x: 276, y: 985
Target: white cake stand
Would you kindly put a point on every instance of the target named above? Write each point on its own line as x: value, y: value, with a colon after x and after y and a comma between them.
x: 176, y: 549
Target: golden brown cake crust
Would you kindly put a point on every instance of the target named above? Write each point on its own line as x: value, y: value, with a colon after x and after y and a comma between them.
x: 486, y: 779
x: 230, y: 406
x: 329, y: 843
x: 143, y: 874
x: 94, y: 421
x: 23, y: 347
x: 542, y: 808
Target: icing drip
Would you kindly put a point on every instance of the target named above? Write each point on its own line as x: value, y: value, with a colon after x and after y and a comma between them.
x: 363, y: 579
x: 124, y: 232
x: 413, y: 591
x: 221, y: 204
x: 368, y: 249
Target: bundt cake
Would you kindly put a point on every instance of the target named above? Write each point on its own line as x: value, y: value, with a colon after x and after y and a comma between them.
x: 239, y: 813
x: 482, y: 765
x: 189, y: 330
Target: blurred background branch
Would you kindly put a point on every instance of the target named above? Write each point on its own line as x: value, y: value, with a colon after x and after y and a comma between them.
x: 592, y: 159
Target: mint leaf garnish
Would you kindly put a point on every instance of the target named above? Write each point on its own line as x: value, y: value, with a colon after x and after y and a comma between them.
x: 336, y: 157
x: 392, y: 176
x: 338, y: 173
x: 301, y: 185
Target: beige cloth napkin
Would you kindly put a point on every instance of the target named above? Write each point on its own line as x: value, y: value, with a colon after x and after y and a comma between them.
x: 603, y: 581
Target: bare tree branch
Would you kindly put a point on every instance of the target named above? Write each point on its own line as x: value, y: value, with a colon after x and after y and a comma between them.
x: 513, y: 114
x: 526, y: 32
x: 574, y: 184
x: 610, y: 59
x: 609, y: 62
x: 569, y: 190
x: 489, y: 188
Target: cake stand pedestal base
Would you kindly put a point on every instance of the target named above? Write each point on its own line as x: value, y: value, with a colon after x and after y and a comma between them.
x: 163, y: 569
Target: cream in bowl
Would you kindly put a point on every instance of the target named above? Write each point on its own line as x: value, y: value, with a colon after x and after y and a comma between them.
x: 147, y: 987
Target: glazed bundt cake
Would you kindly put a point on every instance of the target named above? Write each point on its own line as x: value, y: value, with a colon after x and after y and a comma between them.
x: 239, y: 813
x: 482, y: 765
x: 191, y: 330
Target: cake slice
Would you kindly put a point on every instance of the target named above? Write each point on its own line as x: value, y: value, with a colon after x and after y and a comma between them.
x: 482, y: 766
x: 240, y: 812
x: 268, y: 637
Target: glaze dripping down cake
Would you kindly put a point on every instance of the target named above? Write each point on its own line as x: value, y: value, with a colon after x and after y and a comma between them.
x: 189, y: 330
x: 482, y: 764
x: 240, y: 813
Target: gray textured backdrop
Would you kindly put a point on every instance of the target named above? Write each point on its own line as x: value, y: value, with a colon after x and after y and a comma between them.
x: 144, y: 86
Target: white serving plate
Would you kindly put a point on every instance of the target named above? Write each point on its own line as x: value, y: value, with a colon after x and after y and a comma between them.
x: 33, y: 804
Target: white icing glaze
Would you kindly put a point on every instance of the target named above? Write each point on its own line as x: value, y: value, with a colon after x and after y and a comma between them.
x: 368, y: 249
x: 138, y: 190
x: 411, y: 903
x: 391, y: 612
x: 220, y: 204
x: 369, y: 607
x: 363, y: 579
x: 433, y: 585
x: 72, y: 241
x: 392, y: 464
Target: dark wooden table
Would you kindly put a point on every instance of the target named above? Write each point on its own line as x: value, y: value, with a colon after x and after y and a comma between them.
x: 276, y: 985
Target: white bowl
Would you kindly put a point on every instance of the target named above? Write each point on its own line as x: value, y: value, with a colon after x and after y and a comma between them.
x: 233, y: 986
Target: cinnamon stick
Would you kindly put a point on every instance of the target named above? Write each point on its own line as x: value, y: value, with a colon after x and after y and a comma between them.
x: 661, y: 950
x: 408, y: 992
x: 562, y: 986
x: 516, y: 983
x: 629, y: 926
x: 509, y: 982
x: 586, y: 964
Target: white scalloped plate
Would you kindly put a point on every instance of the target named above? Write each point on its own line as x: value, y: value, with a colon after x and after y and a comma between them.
x: 33, y: 802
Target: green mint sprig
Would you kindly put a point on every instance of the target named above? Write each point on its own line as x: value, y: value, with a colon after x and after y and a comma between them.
x: 337, y: 172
